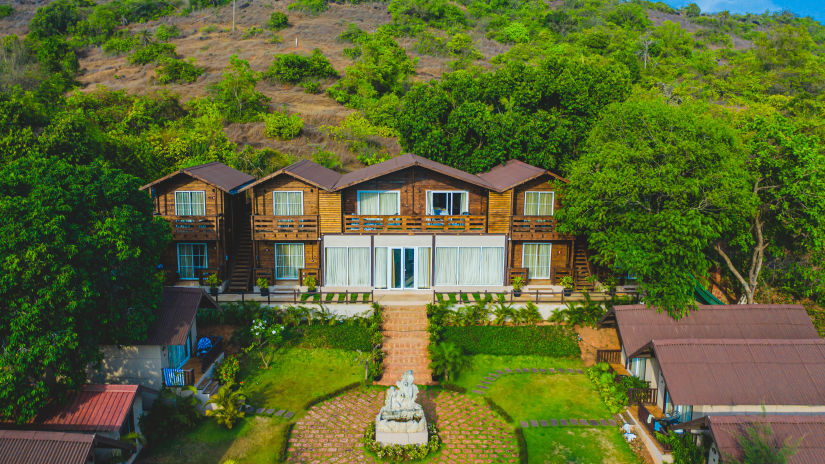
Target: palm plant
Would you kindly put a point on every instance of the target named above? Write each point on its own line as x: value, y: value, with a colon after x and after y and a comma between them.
x: 447, y: 359
x: 503, y: 311
x: 228, y: 402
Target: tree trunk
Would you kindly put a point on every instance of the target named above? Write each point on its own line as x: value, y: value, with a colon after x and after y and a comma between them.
x: 757, y: 258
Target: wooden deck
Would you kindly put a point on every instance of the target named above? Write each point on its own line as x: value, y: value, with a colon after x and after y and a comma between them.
x: 368, y: 224
x: 194, y: 227
x: 284, y: 227
x: 536, y: 228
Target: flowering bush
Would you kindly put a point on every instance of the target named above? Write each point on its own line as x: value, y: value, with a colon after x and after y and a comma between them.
x: 227, y: 370
x: 265, y: 336
x: 399, y: 453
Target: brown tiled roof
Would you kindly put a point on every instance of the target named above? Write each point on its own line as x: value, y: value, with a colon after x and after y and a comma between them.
x: 807, y: 432
x: 402, y: 162
x: 218, y: 174
x: 638, y: 325
x: 743, y: 372
x: 175, y: 315
x: 94, y: 408
x: 512, y: 173
x: 38, y: 447
x: 307, y: 171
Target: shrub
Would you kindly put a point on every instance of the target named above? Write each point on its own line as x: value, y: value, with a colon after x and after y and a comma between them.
x: 352, y: 52
x: 171, y: 414
x: 524, y: 340
x: 293, y: 68
x: 447, y: 359
x: 178, y: 71
x: 586, y: 313
x: 228, y: 402
x: 351, y: 34
x: 54, y: 19
x: 153, y: 52
x: 236, y: 94
x: 343, y: 336
x: 227, y: 370
x: 326, y: 158
x: 312, y: 87
x: 400, y: 453
x: 282, y: 126
x: 164, y: 32
x: 6, y: 10
x: 310, y: 7
x: 199, y: 4
x: 613, y: 393
x: 277, y: 21
x: 684, y: 448
x: 252, y: 32
x: 515, y: 32
x: 120, y: 43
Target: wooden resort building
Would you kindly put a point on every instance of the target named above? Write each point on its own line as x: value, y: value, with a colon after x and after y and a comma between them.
x: 408, y: 223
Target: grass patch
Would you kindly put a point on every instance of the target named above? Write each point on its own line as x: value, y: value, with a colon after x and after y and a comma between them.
x: 523, y: 340
x: 562, y: 445
x: 548, y: 396
x: 254, y: 440
x: 481, y: 365
x: 297, y: 375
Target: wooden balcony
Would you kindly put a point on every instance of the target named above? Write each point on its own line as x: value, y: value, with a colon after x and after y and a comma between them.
x: 285, y: 227
x: 194, y: 227
x: 536, y: 228
x: 366, y: 224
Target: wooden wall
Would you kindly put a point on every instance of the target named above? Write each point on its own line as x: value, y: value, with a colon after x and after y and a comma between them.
x: 329, y: 209
x: 262, y: 194
x: 266, y: 254
x: 544, y: 183
x: 499, y: 213
x: 558, y: 262
x: 216, y: 199
x: 413, y: 184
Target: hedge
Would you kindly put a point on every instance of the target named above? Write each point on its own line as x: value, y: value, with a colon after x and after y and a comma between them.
x: 339, y: 336
x: 522, y: 446
x: 498, y: 409
x: 287, y: 431
x: 555, y: 341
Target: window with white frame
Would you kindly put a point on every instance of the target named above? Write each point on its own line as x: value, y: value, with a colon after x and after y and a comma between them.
x: 289, y: 259
x: 536, y: 258
x: 191, y: 257
x: 347, y: 266
x: 288, y: 203
x: 381, y: 203
x: 469, y: 266
x: 447, y: 203
x: 190, y: 203
x: 538, y: 203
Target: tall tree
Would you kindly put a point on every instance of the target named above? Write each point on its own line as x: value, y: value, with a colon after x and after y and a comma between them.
x: 657, y: 185
x: 78, y: 255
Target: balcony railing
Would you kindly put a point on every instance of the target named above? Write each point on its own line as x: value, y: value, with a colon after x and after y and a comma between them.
x: 609, y: 356
x: 645, y: 396
x: 194, y: 227
x: 653, y: 424
x: 368, y: 224
x: 285, y: 227
x: 178, y: 377
x: 535, y: 227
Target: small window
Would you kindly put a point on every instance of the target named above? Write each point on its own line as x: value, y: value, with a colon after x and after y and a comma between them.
x: 536, y: 258
x: 289, y: 259
x: 379, y: 203
x: 190, y: 203
x: 447, y: 203
x: 288, y: 203
x: 191, y: 257
x: 538, y: 203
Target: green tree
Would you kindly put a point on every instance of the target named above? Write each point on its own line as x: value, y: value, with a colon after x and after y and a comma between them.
x: 759, y: 445
x: 656, y: 187
x: 236, y: 94
x: 78, y: 264
x: 448, y: 360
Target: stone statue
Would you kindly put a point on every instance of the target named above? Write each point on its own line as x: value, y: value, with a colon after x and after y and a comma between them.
x: 401, y: 420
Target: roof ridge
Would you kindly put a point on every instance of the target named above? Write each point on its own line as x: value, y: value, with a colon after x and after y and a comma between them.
x: 739, y: 341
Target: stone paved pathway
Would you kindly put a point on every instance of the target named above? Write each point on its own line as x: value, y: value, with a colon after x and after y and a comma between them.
x: 484, y: 384
x: 331, y: 431
x: 405, y: 344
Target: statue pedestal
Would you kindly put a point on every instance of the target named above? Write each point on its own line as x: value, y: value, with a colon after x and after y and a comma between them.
x: 402, y: 438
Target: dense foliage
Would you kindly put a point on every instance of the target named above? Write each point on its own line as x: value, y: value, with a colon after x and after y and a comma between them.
x: 78, y: 264
x: 612, y: 391
x: 555, y: 341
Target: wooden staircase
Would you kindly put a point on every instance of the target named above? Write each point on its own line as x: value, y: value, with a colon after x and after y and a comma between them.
x: 581, y: 268
x: 241, y: 272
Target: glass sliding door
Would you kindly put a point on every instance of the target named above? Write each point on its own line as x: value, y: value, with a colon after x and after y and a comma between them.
x: 403, y: 266
x: 536, y: 258
x: 191, y: 257
x: 289, y: 259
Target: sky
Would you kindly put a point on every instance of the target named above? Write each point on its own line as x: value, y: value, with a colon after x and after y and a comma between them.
x: 812, y: 8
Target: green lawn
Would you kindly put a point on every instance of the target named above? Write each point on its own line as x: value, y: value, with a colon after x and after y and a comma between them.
x: 295, y: 376
x: 481, y: 365
x: 578, y: 445
x: 551, y: 396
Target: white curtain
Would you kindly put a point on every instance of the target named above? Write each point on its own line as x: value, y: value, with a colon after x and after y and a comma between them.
x: 424, y: 267
x: 335, y: 266
x: 191, y: 256
x: 446, y: 260
x: 190, y: 203
x: 389, y: 203
x: 538, y: 203
x: 369, y: 203
x: 536, y: 258
x: 288, y: 203
x: 469, y: 260
x: 492, y: 266
x: 289, y: 258
x: 359, y: 266
x: 381, y: 267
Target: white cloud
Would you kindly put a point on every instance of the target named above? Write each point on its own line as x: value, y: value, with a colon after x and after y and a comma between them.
x: 734, y: 6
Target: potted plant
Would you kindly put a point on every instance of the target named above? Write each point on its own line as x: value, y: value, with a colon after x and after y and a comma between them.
x: 213, y: 283
x: 567, y: 283
x: 263, y: 283
x: 518, y: 284
x: 311, y: 283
